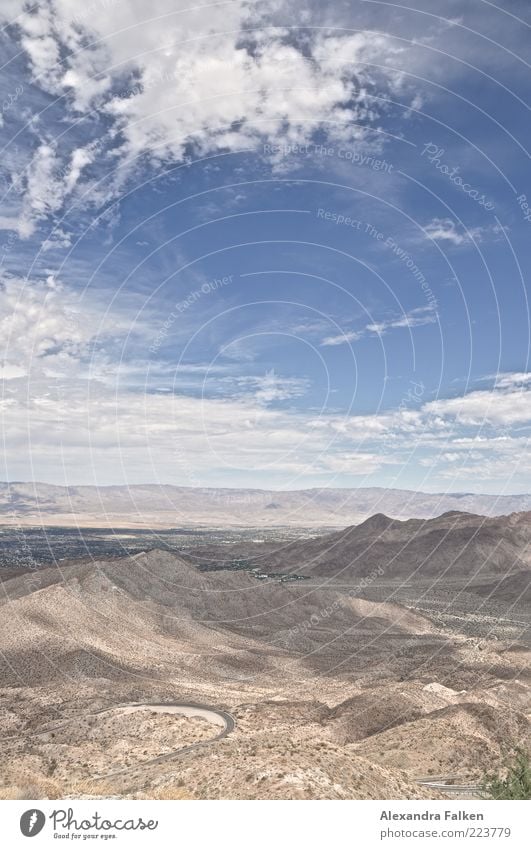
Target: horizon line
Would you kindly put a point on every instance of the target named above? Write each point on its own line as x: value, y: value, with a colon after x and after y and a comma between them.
x: 264, y: 489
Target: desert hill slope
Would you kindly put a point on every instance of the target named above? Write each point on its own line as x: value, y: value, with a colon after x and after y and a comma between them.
x: 454, y: 544
x: 146, y: 609
x: 330, y: 692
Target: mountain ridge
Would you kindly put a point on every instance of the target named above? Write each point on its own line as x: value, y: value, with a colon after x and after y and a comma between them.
x: 454, y: 543
x: 167, y: 506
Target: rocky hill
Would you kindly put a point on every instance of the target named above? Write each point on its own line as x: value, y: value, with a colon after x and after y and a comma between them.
x: 333, y: 695
x: 453, y: 545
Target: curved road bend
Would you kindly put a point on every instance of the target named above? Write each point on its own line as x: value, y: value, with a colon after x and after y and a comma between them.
x: 224, y: 720
x: 221, y: 718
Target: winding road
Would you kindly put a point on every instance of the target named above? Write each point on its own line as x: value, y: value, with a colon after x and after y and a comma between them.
x: 226, y: 723
x: 221, y: 718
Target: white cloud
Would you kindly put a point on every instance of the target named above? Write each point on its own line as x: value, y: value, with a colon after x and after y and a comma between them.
x: 44, y: 184
x: 169, y: 75
x: 69, y: 389
x: 80, y: 158
x: 445, y: 230
x: 414, y: 318
x: 49, y: 329
x: 498, y: 407
x: 13, y: 222
x: 342, y: 338
x: 43, y: 191
x: 89, y: 423
x: 271, y: 387
x: 220, y: 93
x: 506, y: 380
x: 10, y: 372
x: 58, y: 238
x: 354, y: 463
x: 95, y: 414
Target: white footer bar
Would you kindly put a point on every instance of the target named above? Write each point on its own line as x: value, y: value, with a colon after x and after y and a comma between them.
x: 257, y: 825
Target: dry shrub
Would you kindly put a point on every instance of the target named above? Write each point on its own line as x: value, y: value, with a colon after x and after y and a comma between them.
x: 31, y: 787
x: 92, y: 787
x: 9, y: 792
x: 171, y: 791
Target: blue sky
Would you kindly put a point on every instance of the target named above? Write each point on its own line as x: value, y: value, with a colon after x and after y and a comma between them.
x: 267, y: 245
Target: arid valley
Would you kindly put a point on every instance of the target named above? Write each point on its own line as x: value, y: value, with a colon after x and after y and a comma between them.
x: 380, y: 661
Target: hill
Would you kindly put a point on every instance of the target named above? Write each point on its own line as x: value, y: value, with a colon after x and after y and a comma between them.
x: 454, y: 544
x: 332, y: 694
x: 112, y: 617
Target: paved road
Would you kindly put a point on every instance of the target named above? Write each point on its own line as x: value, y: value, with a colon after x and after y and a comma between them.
x: 188, y: 709
x: 221, y: 718
x: 218, y: 717
x: 442, y: 783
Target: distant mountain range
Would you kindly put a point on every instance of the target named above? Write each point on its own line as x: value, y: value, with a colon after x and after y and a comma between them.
x: 164, y: 506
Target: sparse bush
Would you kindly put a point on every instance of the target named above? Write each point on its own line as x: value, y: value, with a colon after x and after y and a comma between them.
x: 29, y: 791
x: 39, y: 790
x: 91, y: 787
x: 517, y: 782
x: 170, y: 792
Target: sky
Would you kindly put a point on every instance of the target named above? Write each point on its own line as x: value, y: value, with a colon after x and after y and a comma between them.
x: 277, y: 245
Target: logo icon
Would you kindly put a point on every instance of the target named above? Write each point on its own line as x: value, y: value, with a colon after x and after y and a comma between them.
x: 32, y: 822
